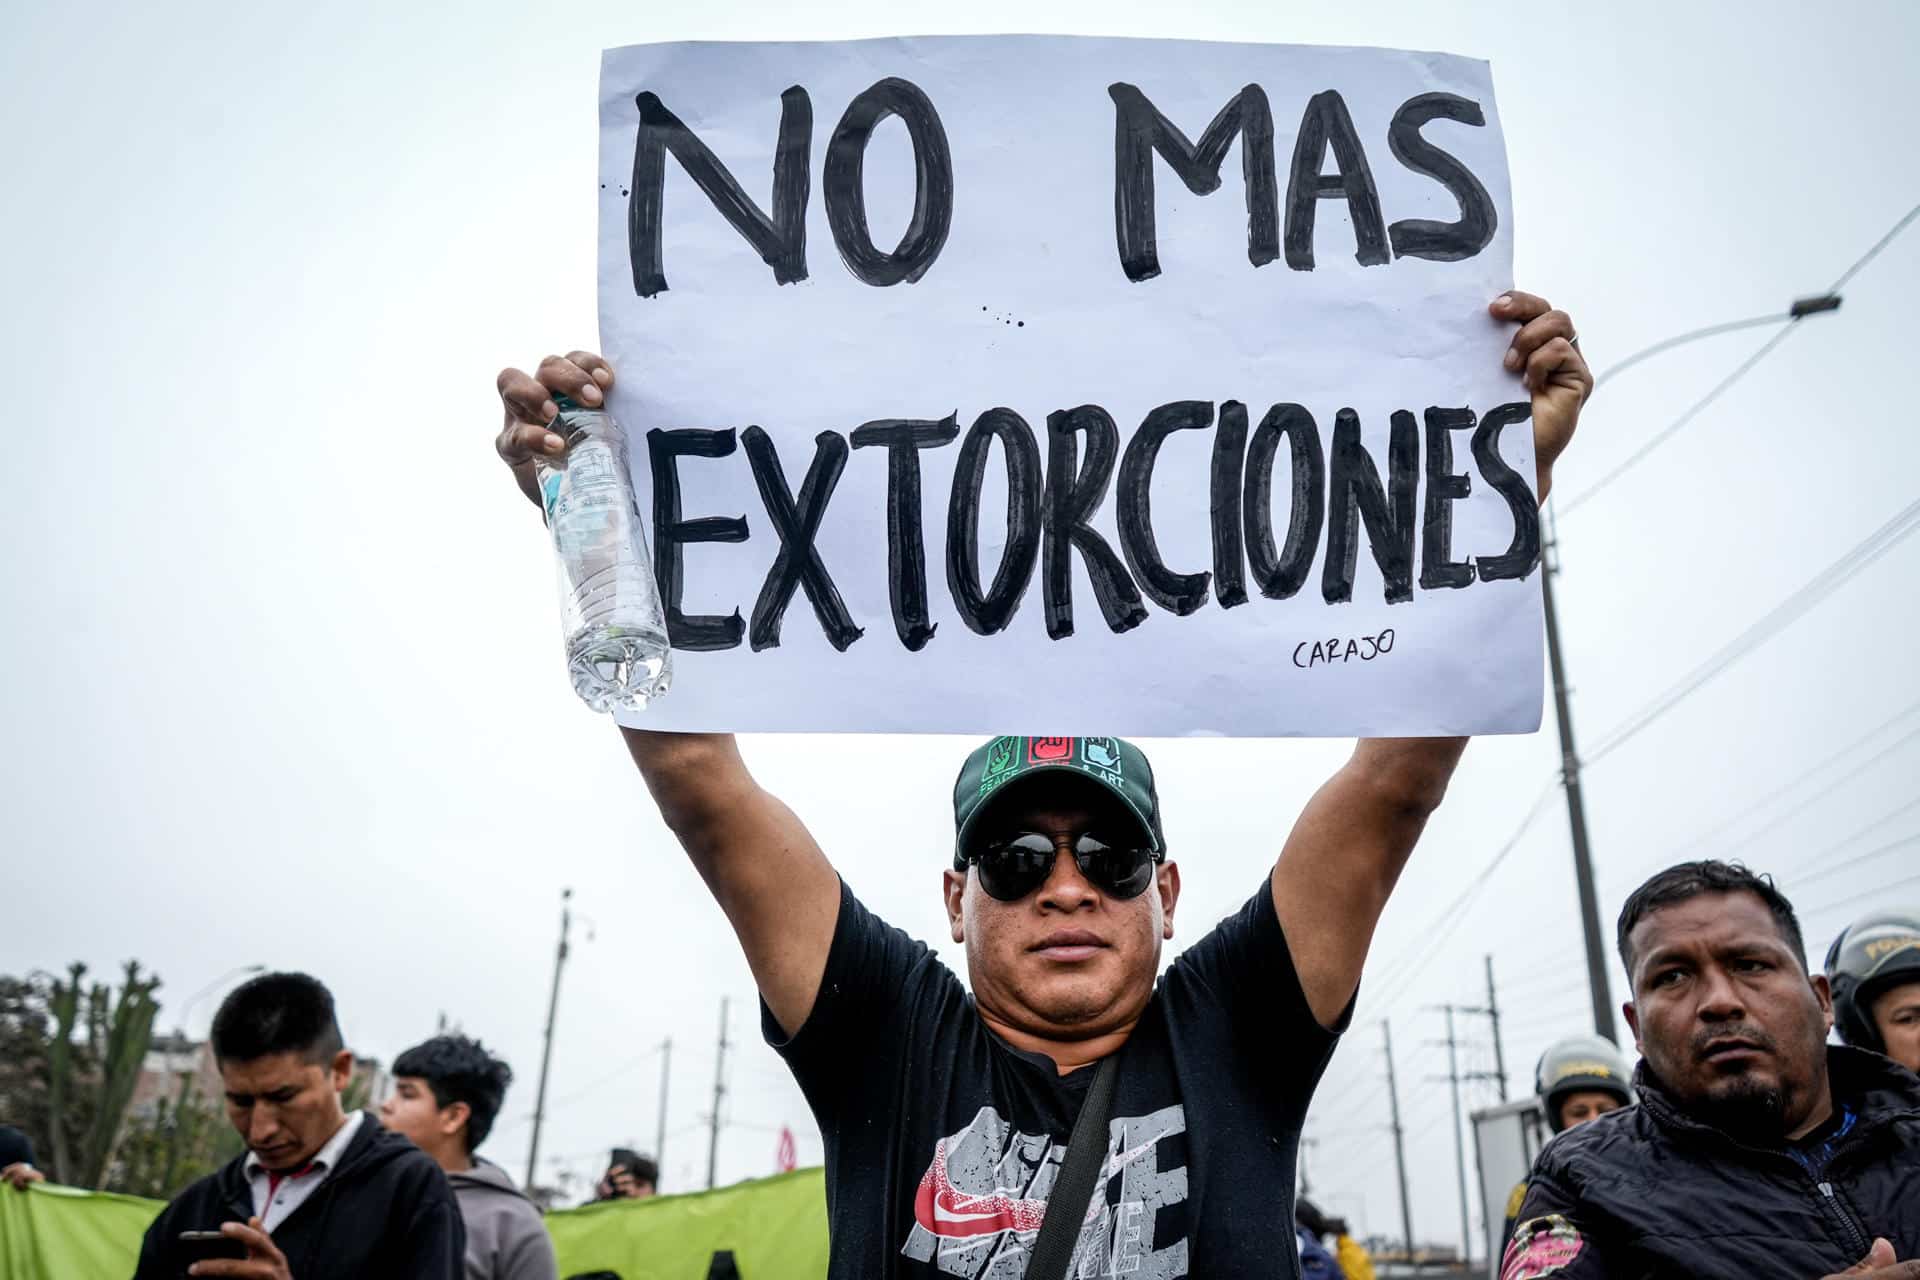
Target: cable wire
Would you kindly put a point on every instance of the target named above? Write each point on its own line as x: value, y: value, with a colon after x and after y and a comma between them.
x: 1746, y: 811
x: 1816, y: 589
x: 1660, y: 437
x: 1409, y: 963
x: 1791, y: 322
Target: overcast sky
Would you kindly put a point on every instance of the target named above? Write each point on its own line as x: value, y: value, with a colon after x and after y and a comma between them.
x: 283, y: 684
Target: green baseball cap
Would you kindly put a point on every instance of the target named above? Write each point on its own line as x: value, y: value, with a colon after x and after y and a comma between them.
x: 1115, y: 764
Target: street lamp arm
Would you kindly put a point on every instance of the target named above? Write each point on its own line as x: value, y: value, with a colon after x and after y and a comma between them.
x: 1712, y: 330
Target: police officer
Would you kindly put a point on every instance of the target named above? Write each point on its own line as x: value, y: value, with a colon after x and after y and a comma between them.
x: 1874, y: 970
x: 1578, y: 1079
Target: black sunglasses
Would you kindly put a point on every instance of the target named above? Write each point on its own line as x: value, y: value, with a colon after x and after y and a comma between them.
x: 1013, y: 866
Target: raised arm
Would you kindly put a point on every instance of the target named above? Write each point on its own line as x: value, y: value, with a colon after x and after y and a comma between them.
x: 1346, y: 852
x: 775, y: 886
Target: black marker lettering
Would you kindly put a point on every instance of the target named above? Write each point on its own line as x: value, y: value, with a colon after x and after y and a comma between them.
x: 906, y: 551
x: 702, y: 632
x: 1181, y: 593
x: 797, y: 523
x: 1326, y: 121
x: 1229, y: 461
x: 1139, y: 130
x: 1423, y: 237
x: 1523, y: 552
x: 1074, y: 493
x: 781, y: 241
x: 843, y: 184
x: 1279, y: 574
x: 991, y: 611
x: 1438, y: 568
x: 1356, y: 495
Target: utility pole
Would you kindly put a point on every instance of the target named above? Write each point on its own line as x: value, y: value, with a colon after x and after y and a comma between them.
x: 1491, y: 1012
x: 1306, y: 1144
x: 719, y: 1091
x: 546, y: 1052
x: 1493, y: 1016
x: 1459, y: 1142
x: 1399, y: 1150
x: 1800, y: 309
x: 660, y: 1133
x: 1576, y: 813
x: 1453, y: 1077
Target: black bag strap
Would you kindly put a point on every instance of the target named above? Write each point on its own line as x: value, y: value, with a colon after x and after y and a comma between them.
x: 1079, y: 1173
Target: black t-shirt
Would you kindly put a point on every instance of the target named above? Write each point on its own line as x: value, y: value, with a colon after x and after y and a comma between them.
x: 942, y: 1141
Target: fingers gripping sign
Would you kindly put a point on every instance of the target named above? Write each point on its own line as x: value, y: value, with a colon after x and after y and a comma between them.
x: 528, y: 407
x: 1545, y: 353
x: 264, y: 1261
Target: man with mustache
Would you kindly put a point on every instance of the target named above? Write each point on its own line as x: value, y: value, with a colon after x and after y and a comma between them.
x: 948, y: 1113
x: 1757, y: 1149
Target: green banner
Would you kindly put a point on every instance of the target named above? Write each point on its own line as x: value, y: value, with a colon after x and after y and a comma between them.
x: 772, y: 1229
x: 58, y: 1233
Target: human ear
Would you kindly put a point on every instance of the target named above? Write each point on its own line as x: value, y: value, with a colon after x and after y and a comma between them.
x: 954, y: 888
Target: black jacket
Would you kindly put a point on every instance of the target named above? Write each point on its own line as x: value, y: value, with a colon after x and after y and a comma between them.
x: 1650, y: 1192
x: 386, y: 1213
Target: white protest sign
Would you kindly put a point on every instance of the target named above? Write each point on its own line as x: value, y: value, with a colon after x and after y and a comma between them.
x: 1052, y: 385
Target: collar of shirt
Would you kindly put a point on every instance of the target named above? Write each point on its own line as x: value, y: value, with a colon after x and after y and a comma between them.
x: 323, y: 1160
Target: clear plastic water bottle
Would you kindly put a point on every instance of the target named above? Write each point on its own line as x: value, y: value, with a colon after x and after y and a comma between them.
x: 616, y: 633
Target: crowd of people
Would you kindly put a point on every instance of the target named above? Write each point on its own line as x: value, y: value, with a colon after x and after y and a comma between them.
x: 1072, y: 1110
x: 320, y: 1191
x: 1743, y: 1142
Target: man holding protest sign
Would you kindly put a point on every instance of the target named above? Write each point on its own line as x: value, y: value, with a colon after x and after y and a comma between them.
x: 1070, y: 1115
x: 944, y: 1117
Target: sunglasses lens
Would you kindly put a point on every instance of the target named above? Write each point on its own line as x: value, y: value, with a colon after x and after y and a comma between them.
x: 1121, y: 873
x: 1012, y: 868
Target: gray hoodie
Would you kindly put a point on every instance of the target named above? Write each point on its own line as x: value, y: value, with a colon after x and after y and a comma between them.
x: 505, y: 1238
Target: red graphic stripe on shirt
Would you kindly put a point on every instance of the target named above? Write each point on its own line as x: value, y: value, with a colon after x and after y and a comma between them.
x: 945, y: 1210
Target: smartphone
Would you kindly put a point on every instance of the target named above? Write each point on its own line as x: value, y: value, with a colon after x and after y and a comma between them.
x: 204, y: 1246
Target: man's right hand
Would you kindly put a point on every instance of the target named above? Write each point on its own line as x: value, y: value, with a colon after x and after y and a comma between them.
x: 264, y: 1260
x: 764, y: 869
x: 1879, y: 1264
x: 527, y: 401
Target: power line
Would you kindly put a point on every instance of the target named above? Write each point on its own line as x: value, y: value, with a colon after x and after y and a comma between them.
x: 1660, y: 437
x: 1827, y: 873
x: 1449, y: 918
x: 1816, y: 589
x: 1791, y: 319
x: 1781, y: 790
x: 1877, y: 891
x: 1874, y: 252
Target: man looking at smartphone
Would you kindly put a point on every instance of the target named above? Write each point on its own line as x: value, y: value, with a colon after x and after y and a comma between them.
x: 318, y: 1194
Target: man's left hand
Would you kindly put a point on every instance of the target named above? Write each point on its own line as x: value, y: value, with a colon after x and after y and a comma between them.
x: 264, y: 1260
x: 1544, y: 354
x: 19, y: 1175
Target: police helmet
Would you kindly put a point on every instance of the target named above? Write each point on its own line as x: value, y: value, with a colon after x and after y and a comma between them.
x: 1576, y: 1065
x: 1873, y: 953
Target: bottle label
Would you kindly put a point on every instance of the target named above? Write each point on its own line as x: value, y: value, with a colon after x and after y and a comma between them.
x: 583, y: 500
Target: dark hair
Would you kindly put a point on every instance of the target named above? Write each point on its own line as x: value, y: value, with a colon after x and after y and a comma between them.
x: 1690, y: 879
x: 277, y: 1013
x: 15, y: 1146
x: 643, y: 1168
x: 459, y: 1069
